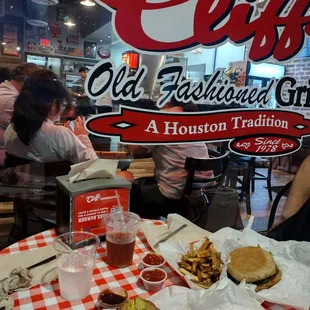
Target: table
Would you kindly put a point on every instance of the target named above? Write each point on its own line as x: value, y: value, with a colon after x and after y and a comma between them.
x: 142, y: 168
x: 44, y: 297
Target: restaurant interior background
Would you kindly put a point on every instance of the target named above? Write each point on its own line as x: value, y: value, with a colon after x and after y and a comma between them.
x: 65, y: 35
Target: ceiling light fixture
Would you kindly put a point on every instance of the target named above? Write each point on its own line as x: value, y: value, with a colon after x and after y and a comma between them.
x: 88, y: 3
x: 69, y: 23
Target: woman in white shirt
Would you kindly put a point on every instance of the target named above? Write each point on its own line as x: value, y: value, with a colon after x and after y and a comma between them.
x: 32, y: 134
x: 104, y: 104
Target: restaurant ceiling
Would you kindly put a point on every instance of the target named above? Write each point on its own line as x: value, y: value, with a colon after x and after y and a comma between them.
x: 87, y: 19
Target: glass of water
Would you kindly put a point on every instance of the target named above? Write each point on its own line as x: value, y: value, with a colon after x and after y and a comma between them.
x: 76, y: 260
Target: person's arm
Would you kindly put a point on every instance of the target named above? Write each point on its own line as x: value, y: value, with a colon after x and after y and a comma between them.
x: 75, y: 146
x: 74, y: 91
x: 138, y: 151
x: 299, y: 193
x: 7, y: 112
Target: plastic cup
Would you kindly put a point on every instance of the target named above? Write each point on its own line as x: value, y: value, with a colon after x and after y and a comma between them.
x: 121, y: 231
x: 76, y: 260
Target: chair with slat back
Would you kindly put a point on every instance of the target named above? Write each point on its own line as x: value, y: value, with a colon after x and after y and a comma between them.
x: 198, y: 200
x: 217, y: 163
x: 276, y: 201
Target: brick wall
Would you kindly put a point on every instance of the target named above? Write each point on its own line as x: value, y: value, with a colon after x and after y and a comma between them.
x: 299, y: 68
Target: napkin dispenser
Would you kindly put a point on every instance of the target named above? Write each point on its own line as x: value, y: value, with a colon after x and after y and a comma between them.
x: 82, y: 205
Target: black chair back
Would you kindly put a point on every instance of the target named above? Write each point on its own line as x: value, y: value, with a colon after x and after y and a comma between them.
x: 14, y: 161
x: 275, y: 204
x: 51, y: 169
x: 217, y: 163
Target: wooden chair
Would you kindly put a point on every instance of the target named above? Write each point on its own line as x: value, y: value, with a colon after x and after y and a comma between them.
x: 6, y: 218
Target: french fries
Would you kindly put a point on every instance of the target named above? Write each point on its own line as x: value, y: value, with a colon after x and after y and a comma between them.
x: 203, y: 266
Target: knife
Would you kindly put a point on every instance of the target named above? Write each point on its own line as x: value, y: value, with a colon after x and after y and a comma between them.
x: 170, y: 235
x: 43, y: 262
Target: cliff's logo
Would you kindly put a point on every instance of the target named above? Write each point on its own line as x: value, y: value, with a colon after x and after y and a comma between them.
x: 91, y: 199
x: 277, y: 30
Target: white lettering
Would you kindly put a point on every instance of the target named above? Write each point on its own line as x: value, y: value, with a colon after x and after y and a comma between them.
x: 152, y: 126
x: 91, y: 199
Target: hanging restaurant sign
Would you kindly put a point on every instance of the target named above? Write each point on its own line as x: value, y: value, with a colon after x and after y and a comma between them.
x: 268, y: 132
x: 257, y: 132
x: 278, y: 30
x: 275, y: 31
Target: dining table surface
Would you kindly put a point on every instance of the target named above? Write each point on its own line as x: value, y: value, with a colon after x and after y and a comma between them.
x: 47, y: 296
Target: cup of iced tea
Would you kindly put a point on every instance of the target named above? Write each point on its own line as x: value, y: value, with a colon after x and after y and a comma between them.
x: 121, y: 230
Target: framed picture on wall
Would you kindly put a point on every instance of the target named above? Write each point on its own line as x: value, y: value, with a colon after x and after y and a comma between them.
x: 90, y: 49
x: 10, y: 40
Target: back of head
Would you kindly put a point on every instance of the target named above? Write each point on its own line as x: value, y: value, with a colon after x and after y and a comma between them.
x: 5, y: 74
x: 20, y: 73
x: 187, y: 107
x: 40, y: 91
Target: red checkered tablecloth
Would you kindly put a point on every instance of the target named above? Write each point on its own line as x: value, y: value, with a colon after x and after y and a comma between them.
x: 43, y: 297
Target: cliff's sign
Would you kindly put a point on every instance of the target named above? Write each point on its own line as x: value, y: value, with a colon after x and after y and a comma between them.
x: 278, y: 30
x: 106, y: 79
x: 256, y: 132
x: 275, y: 31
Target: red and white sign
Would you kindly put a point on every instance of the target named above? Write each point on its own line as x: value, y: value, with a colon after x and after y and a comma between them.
x: 89, y: 208
x: 278, y: 31
x: 274, y: 30
x: 259, y: 132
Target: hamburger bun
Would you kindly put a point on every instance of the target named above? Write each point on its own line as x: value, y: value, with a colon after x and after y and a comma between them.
x: 138, y: 304
x: 251, y: 264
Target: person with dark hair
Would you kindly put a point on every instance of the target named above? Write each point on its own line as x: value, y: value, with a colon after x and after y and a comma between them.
x: 5, y: 74
x: 9, y: 90
x: 84, y: 106
x: 148, y: 196
x: 32, y: 134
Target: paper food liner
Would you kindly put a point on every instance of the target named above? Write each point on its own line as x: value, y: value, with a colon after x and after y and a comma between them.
x: 226, y: 297
x: 154, y: 233
x: 292, y: 258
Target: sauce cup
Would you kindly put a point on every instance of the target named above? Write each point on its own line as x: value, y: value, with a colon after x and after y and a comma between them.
x: 112, y: 297
x: 153, y: 260
x: 153, y: 278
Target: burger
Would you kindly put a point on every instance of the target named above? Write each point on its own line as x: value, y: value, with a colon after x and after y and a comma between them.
x: 254, y: 265
x: 138, y: 304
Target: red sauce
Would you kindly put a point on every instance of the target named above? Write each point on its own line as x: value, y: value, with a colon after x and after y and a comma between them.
x: 153, y: 259
x: 156, y: 275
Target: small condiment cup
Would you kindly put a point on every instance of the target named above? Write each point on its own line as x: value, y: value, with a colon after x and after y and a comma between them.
x: 109, y: 303
x: 145, y: 265
x: 153, y: 286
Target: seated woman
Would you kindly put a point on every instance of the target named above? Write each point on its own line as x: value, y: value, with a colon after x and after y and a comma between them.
x: 162, y: 194
x: 32, y: 134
